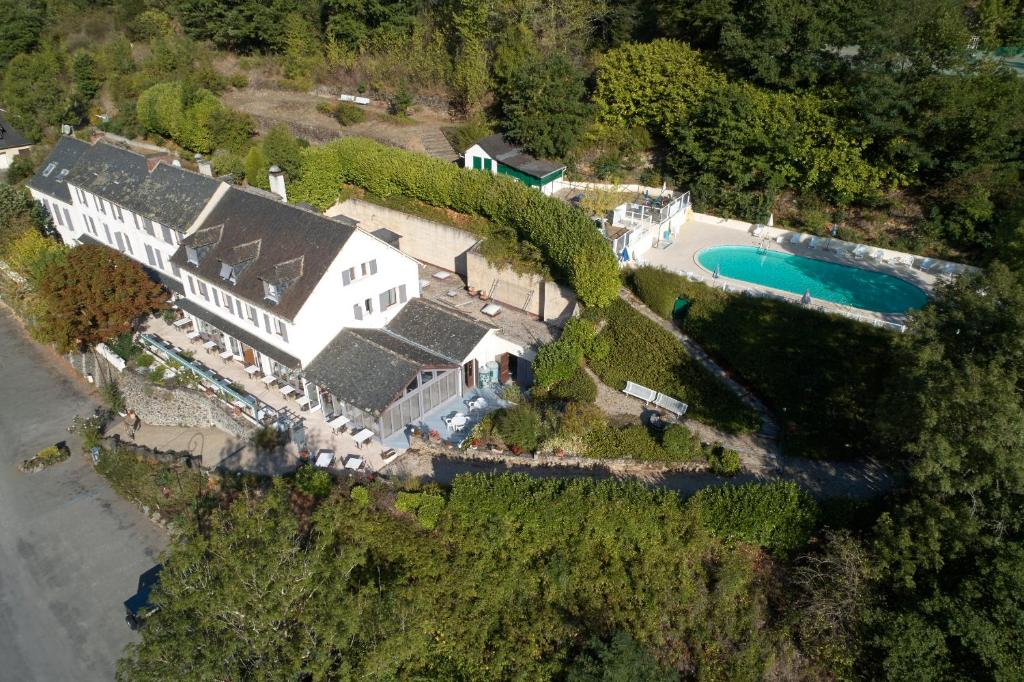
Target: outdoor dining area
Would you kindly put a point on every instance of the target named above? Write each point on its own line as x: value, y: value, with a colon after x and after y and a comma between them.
x: 450, y: 423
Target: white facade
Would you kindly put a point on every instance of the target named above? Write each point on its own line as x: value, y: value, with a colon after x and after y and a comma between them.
x: 7, y: 156
x: 637, y: 226
x: 478, y: 159
x: 66, y: 217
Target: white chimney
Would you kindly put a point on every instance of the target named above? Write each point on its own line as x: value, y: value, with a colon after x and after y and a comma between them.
x: 205, y: 167
x: 277, y: 183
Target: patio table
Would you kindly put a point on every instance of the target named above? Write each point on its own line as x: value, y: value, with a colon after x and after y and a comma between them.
x: 458, y: 422
x: 303, y: 401
x: 183, y: 322
x: 269, y: 379
x: 287, y: 390
x: 251, y: 370
x: 210, y: 345
x: 362, y: 437
x: 324, y: 458
x: 353, y: 462
x: 338, y: 423
x: 441, y: 274
x: 193, y: 335
x: 226, y: 355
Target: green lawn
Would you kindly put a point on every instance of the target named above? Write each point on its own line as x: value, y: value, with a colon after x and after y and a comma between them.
x: 820, y: 373
x: 640, y: 351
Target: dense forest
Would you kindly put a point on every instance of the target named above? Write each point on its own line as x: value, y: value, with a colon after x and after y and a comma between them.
x: 876, y: 116
x: 890, y: 119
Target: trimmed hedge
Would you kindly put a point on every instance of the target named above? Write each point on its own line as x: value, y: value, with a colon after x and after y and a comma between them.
x: 777, y: 516
x: 560, y: 360
x: 681, y: 444
x: 572, y: 248
x: 821, y: 373
x: 631, y: 442
x: 639, y: 350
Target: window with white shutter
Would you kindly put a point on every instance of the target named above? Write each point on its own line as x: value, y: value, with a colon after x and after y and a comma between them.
x: 401, y: 294
x: 357, y: 310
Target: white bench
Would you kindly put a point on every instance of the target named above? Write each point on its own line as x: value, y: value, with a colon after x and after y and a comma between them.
x: 676, y: 407
x: 642, y: 392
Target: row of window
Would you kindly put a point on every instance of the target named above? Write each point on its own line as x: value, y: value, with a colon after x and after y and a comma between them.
x: 141, y: 223
x: 392, y: 296
x: 235, y: 306
x: 359, y: 272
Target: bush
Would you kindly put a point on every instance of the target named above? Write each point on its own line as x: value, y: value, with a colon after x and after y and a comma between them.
x: 425, y: 507
x: 579, y: 387
x: 630, y: 442
x: 47, y: 457
x: 112, y: 396
x: 143, y: 360
x: 313, y: 481
x: 680, y: 444
x: 579, y: 419
x: 777, y: 516
x: 348, y: 114
x: 399, y: 103
x: 360, y: 495
x: 156, y: 375
x: 572, y: 248
x: 723, y: 461
x: 829, y: 410
x: 560, y: 360
x: 124, y: 347
x: 21, y: 168
x: 266, y: 438
x: 641, y: 351
x: 519, y: 426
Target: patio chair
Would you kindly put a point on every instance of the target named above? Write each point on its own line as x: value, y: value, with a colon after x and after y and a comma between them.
x: 796, y: 238
x: 927, y: 264
x: 813, y: 244
x: 860, y: 251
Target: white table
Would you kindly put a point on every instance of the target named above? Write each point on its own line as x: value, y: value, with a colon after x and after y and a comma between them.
x: 183, y: 322
x: 210, y: 345
x: 193, y: 335
x: 424, y: 283
x: 362, y: 437
x: 269, y: 379
x: 458, y: 422
x: 226, y: 355
x: 303, y: 401
x: 353, y: 462
x: 441, y: 274
x: 251, y: 370
x: 324, y: 458
x: 338, y: 423
x: 287, y: 389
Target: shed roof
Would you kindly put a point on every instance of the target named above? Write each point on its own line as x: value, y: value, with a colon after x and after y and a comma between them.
x: 11, y: 138
x: 439, y: 329
x: 512, y: 156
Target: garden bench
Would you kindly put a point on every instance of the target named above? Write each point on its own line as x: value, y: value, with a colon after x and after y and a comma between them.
x: 642, y: 392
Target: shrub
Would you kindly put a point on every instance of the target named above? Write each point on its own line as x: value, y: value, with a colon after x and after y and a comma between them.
x: 360, y: 495
x: 511, y: 393
x: 579, y: 419
x: 579, y: 387
x: 143, y: 360
x: 21, y: 168
x: 657, y: 288
x: 425, y: 507
x: 313, y: 481
x: 777, y: 516
x: 399, y: 103
x: 573, y: 249
x: 348, y: 114
x: 266, y: 438
x: 630, y: 442
x: 156, y: 375
x: 723, y: 461
x: 518, y: 426
x: 52, y: 455
x: 680, y: 444
x: 112, y: 396
x: 560, y: 360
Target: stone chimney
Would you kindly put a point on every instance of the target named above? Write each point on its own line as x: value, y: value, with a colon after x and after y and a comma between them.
x: 154, y: 160
x: 205, y: 167
x: 277, y: 183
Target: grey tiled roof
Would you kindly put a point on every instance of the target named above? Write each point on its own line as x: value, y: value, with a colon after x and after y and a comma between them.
x: 12, y: 138
x: 370, y: 368
x: 514, y: 157
x: 443, y: 331
x: 51, y: 176
x: 295, y: 248
x: 160, y: 278
x: 171, y: 196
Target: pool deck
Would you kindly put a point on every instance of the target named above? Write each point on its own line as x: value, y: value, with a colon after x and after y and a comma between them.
x: 703, y: 231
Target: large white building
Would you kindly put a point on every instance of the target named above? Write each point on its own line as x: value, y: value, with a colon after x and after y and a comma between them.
x: 316, y: 302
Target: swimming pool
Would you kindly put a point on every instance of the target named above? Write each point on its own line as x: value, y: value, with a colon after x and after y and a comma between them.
x: 842, y: 284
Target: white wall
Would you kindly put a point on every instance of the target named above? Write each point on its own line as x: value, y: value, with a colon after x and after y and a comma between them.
x: 70, y: 226
x: 477, y: 152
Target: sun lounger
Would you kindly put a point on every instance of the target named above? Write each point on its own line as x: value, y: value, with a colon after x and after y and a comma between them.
x: 927, y: 264
x: 796, y: 238
x: 876, y: 255
x: 759, y: 230
x: 860, y: 251
x: 642, y: 392
x: 814, y: 242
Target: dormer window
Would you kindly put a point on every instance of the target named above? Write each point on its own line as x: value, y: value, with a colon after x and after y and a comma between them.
x: 192, y: 255
x: 271, y: 292
x: 227, y: 273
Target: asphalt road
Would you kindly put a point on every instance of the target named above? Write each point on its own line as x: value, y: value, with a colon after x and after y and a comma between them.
x: 71, y: 550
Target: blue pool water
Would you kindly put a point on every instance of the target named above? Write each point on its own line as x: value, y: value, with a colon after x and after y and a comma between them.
x: 842, y: 284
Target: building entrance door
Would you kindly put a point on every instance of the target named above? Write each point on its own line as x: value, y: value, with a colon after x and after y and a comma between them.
x: 248, y: 355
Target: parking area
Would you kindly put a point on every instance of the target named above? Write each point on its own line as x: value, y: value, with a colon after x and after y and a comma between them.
x: 71, y: 550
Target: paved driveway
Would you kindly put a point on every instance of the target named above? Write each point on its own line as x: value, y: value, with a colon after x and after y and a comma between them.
x: 71, y: 550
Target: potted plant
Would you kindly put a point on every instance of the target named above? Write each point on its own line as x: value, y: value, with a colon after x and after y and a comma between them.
x: 434, y: 436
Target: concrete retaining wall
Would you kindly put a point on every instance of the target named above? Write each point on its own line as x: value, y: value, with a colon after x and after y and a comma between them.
x: 621, y: 466
x: 425, y: 240
x: 530, y: 293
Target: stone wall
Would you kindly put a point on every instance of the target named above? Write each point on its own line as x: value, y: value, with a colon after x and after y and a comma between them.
x: 425, y: 240
x: 157, y: 405
x: 629, y: 467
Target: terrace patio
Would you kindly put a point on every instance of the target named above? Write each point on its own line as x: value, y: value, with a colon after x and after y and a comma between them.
x: 435, y: 420
x: 318, y: 434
